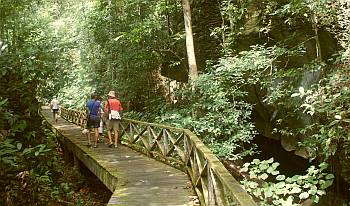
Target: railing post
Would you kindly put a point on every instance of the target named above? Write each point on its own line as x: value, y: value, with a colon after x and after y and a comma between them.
x: 165, y: 141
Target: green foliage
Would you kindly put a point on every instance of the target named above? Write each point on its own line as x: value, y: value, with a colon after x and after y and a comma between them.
x: 343, y: 24
x: 265, y: 183
x: 8, y: 150
x: 218, y: 106
x: 306, y: 8
x: 32, y: 64
x: 34, y: 174
x: 222, y: 114
x: 228, y: 33
x: 327, y: 135
x: 126, y: 48
x: 222, y: 100
x: 136, y: 115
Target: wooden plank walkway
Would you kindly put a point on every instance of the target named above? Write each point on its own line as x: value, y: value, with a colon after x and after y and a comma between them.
x: 133, y: 178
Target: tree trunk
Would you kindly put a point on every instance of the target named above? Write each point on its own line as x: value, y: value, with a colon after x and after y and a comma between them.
x: 193, y: 73
x: 318, y: 44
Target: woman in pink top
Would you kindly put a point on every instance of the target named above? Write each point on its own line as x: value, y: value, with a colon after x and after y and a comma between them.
x: 112, y: 104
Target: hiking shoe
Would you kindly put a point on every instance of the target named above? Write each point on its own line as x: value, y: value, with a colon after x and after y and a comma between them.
x: 88, y: 145
x: 110, y: 145
x: 95, y: 146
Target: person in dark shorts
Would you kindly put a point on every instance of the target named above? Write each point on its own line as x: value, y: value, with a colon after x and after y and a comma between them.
x: 93, y: 118
x: 54, y: 108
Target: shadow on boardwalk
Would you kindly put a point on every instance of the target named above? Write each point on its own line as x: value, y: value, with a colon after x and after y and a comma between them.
x: 133, y: 178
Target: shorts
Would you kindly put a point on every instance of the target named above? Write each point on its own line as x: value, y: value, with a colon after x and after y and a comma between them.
x: 55, y: 110
x: 93, y: 122
x: 113, y: 124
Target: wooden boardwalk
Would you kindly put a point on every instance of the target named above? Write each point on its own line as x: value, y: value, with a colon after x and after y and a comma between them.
x: 133, y: 178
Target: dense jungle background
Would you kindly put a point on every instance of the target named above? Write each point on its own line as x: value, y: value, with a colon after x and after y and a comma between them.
x: 270, y: 96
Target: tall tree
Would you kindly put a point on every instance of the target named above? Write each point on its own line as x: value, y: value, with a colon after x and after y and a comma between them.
x: 193, y: 72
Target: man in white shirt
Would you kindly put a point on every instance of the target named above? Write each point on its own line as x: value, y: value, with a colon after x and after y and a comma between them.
x: 54, y: 107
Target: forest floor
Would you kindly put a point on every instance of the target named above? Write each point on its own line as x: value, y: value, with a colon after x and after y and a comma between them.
x: 92, y: 193
x: 86, y: 188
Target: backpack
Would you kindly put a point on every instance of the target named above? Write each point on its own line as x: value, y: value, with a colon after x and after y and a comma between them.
x: 114, y: 114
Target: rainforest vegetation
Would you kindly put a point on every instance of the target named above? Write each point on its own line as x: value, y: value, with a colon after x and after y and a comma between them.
x: 273, y: 69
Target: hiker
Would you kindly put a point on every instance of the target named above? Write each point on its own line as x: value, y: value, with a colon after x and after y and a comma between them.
x: 113, y: 112
x: 93, y: 118
x: 54, y: 108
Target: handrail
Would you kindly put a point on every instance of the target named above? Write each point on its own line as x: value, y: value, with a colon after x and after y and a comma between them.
x: 212, y: 182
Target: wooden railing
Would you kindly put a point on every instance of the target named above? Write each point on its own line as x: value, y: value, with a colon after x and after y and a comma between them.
x: 213, y: 184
